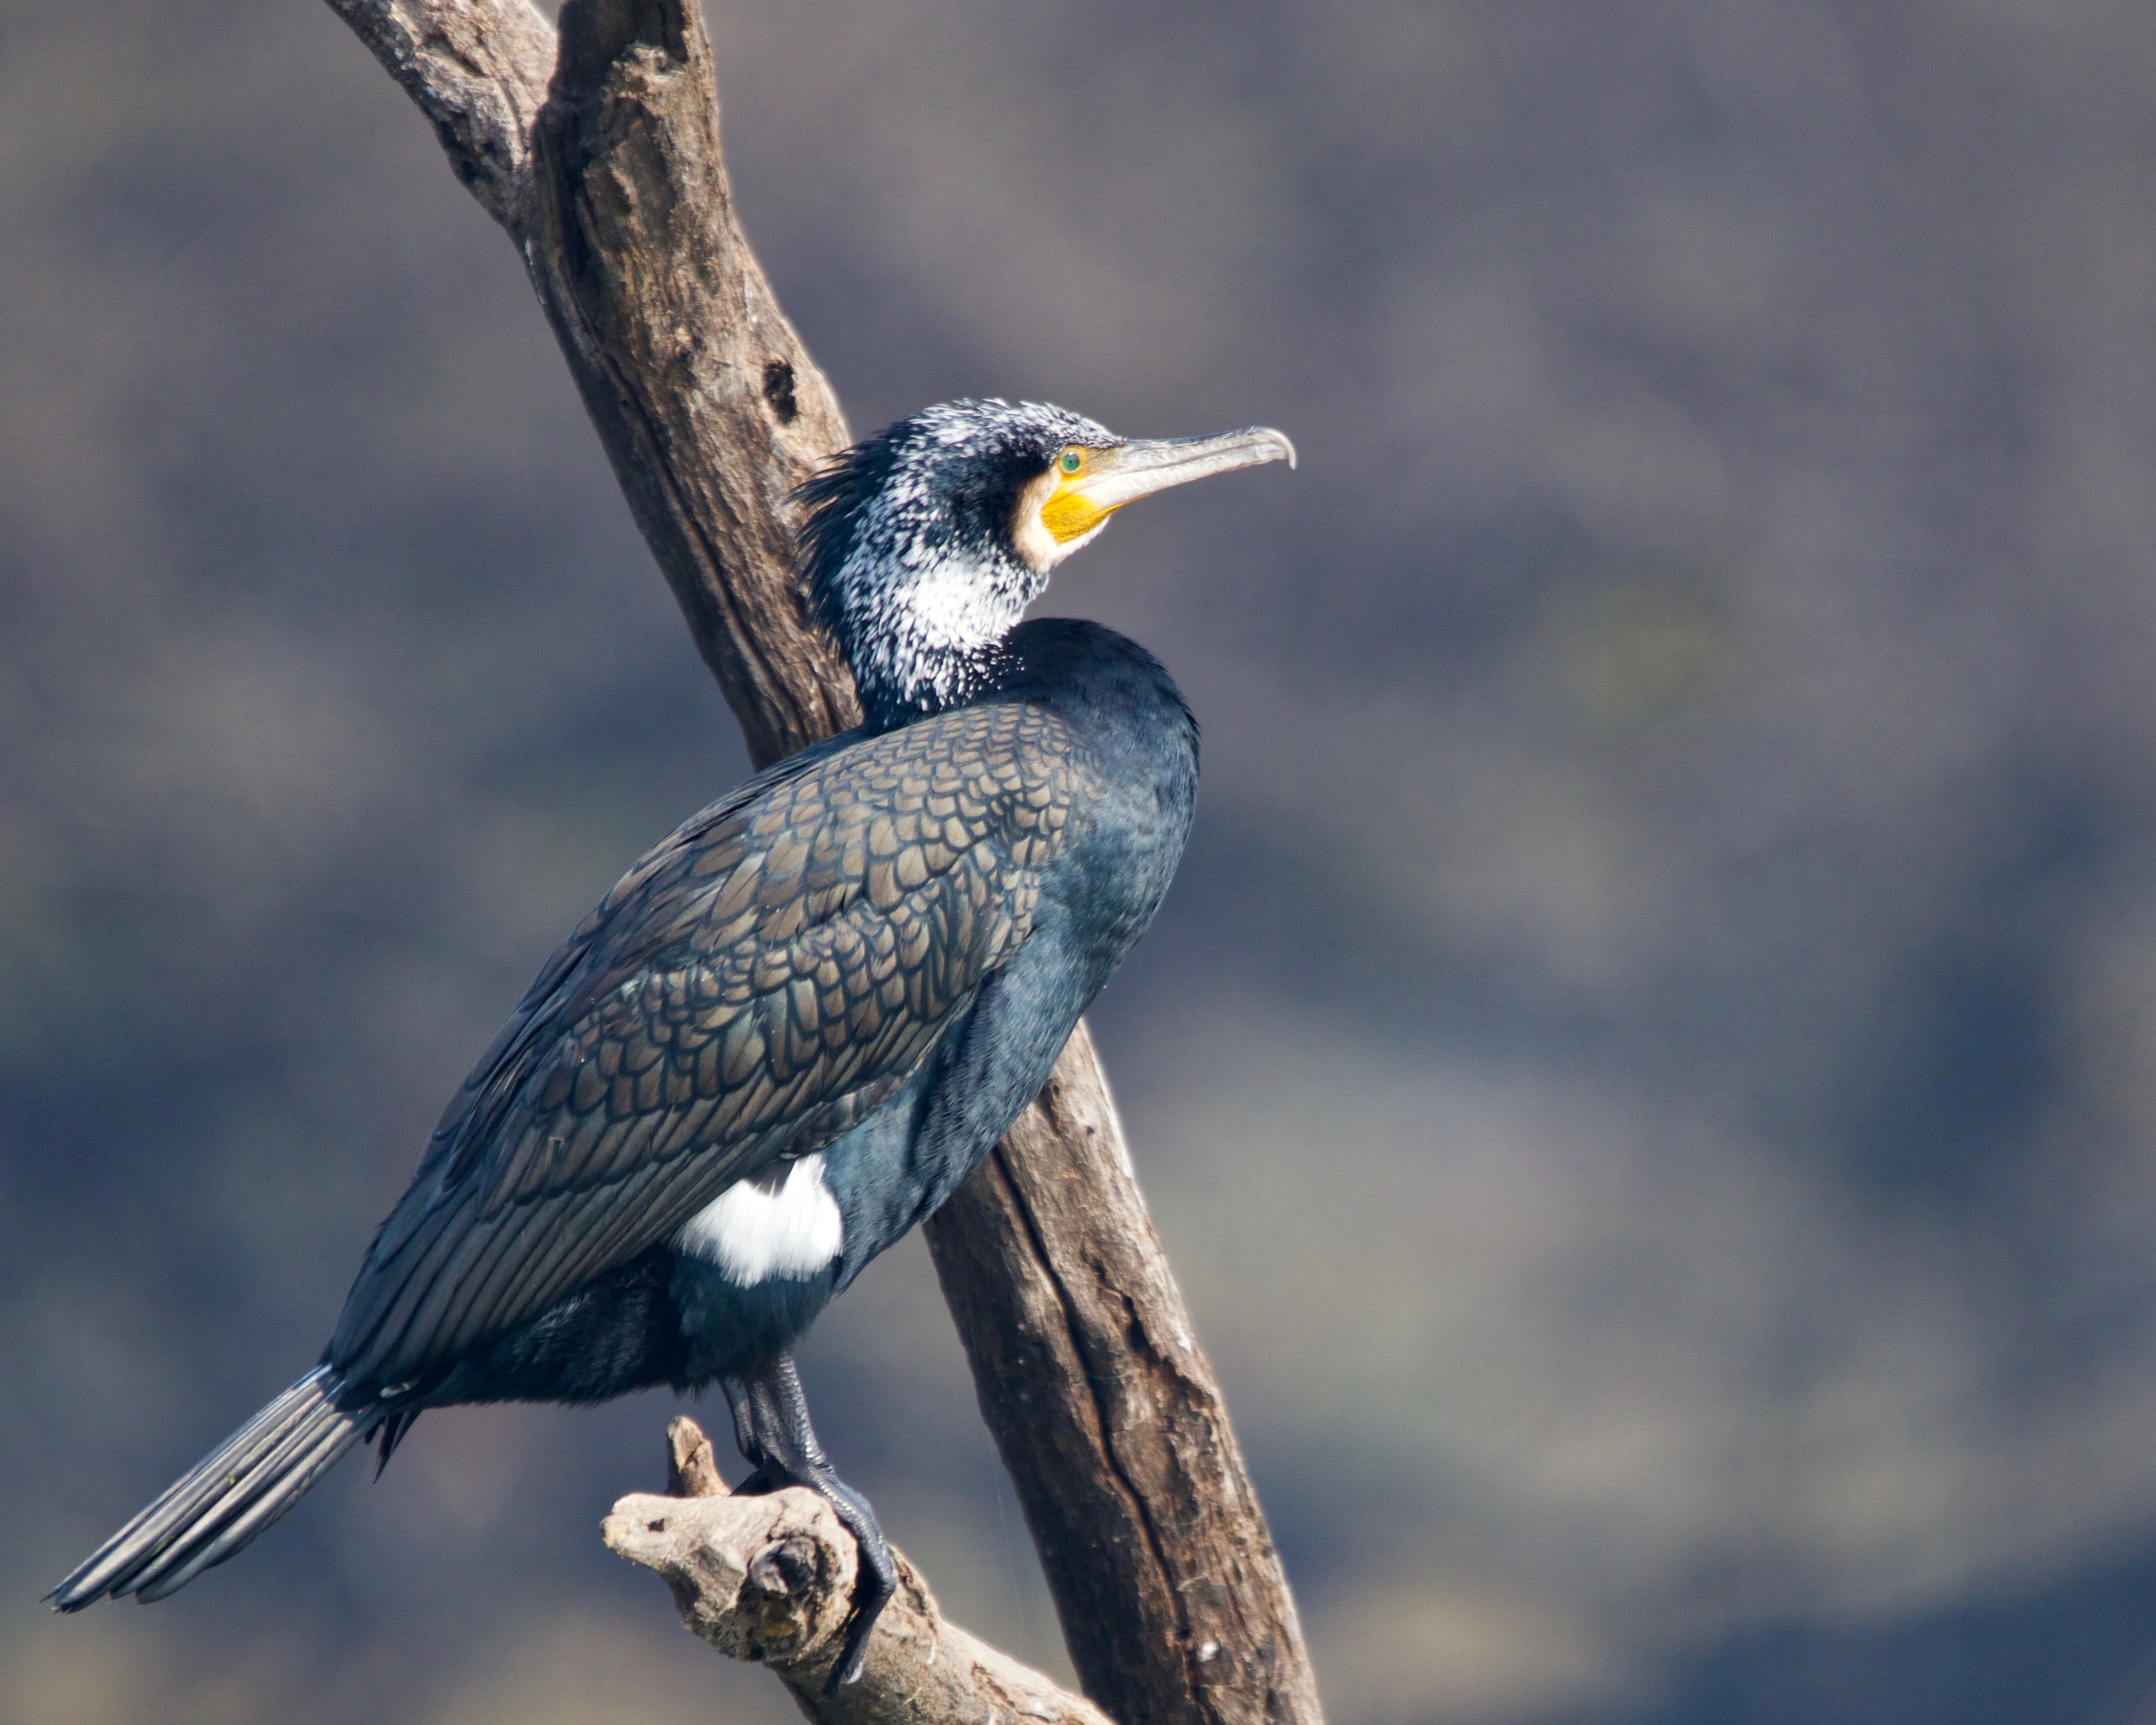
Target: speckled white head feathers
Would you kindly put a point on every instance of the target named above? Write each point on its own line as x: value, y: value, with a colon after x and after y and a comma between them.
x: 925, y: 543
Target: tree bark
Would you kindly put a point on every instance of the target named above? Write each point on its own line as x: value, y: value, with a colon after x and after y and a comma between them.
x: 1171, y: 1596
x: 769, y: 1579
x: 708, y: 405
x: 610, y: 180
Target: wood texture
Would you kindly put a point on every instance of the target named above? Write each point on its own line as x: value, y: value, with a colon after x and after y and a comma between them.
x: 768, y: 1579
x: 707, y: 404
x: 478, y: 70
x: 1172, y: 1597
x: 611, y: 182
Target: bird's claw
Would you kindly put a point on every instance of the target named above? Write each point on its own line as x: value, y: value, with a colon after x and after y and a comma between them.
x: 873, y: 1585
x: 854, y: 1650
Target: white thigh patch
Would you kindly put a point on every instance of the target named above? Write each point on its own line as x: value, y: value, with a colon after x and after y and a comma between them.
x: 751, y: 1233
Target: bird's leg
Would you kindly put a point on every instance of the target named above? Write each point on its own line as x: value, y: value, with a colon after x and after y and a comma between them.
x: 765, y: 1475
x: 771, y: 1424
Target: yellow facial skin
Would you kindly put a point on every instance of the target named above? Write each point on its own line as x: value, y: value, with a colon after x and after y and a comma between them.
x: 1069, y: 514
x: 1054, y: 516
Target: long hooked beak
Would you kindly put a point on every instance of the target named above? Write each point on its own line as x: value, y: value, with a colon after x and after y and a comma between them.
x: 1079, y: 504
x: 1132, y: 470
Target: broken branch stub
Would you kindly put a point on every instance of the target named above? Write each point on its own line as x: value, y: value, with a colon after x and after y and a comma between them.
x: 769, y: 1579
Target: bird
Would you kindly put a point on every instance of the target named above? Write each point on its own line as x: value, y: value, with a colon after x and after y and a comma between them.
x: 796, y: 1025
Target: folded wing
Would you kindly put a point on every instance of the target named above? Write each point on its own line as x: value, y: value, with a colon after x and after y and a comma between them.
x: 758, y: 984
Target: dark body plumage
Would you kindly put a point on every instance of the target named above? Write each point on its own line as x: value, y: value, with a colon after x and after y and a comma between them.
x: 784, y: 1038
x: 875, y: 951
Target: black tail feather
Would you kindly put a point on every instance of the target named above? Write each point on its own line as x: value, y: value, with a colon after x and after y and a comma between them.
x: 395, y: 1425
x: 227, y: 1499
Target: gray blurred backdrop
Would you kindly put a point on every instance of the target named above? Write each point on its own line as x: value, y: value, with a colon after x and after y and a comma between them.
x: 1648, y: 1073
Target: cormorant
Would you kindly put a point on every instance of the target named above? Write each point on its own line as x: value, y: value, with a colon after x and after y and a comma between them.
x: 794, y: 1026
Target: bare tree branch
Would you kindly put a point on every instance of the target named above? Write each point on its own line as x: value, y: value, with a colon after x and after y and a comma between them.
x: 478, y: 69
x: 611, y: 181
x: 769, y: 1579
x: 708, y: 404
x: 1172, y: 1597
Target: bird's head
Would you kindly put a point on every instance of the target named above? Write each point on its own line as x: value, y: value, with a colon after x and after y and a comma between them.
x: 925, y: 544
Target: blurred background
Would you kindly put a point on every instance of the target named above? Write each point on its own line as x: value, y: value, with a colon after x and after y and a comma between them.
x: 1648, y: 1073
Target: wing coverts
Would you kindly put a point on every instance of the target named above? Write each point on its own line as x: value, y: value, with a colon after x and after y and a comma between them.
x: 760, y: 983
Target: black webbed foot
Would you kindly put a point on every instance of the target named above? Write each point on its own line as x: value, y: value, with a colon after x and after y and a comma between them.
x: 771, y: 1425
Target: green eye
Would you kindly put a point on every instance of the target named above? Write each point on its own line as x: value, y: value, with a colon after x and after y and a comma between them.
x: 1071, y: 461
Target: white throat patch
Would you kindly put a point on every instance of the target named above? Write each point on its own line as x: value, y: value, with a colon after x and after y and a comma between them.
x: 751, y: 1233
x: 952, y: 605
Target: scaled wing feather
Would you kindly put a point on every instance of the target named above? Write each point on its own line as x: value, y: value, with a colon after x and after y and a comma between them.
x: 757, y: 985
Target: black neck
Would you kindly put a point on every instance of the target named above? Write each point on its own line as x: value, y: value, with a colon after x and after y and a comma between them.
x: 927, y: 682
